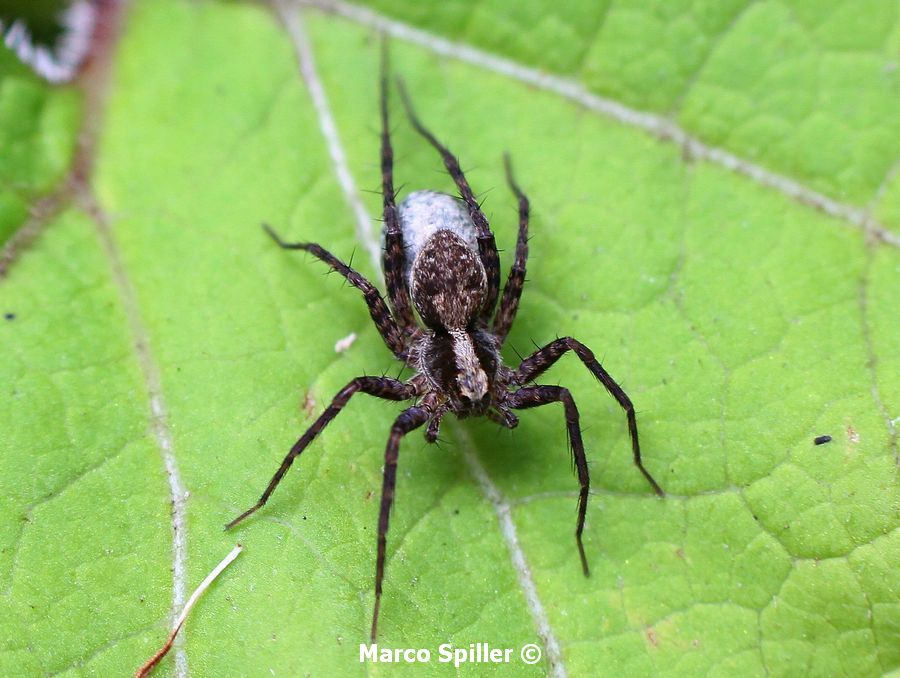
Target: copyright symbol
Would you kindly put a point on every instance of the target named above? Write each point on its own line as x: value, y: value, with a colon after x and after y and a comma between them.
x: 531, y: 653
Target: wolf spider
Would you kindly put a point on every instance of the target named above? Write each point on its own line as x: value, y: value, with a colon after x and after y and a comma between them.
x: 440, y: 257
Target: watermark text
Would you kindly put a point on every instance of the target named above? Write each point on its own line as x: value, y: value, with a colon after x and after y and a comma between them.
x: 447, y: 653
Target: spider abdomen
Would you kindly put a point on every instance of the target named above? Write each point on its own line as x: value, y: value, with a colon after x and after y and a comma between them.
x: 448, y: 282
x: 422, y: 214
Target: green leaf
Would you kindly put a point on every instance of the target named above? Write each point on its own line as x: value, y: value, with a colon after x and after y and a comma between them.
x: 164, y: 327
x: 38, y: 125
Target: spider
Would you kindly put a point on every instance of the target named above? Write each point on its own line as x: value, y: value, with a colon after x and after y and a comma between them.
x: 440, y: 259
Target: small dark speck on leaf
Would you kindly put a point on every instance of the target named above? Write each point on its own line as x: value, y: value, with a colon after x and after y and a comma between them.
x: 9, y: 316
x: 821, y: 440
x: 456, y: 512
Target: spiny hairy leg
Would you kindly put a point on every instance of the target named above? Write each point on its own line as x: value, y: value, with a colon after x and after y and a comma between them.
x: 539, y: 361
x: 512, y: 291
x: 394, y: 253
x: 535, y: 396
x: 408, y: 420
x: 487, y: 247
x: 381, y: 315
x: 380, y: 387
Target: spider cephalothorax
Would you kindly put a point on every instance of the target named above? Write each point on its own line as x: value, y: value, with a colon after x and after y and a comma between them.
x: 441, y: 259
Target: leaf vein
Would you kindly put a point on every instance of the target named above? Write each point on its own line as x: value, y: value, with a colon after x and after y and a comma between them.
x: 660, y: 127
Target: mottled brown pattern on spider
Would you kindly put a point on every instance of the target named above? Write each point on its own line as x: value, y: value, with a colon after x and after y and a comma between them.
x: 441, y: 249
x: 448, y: 282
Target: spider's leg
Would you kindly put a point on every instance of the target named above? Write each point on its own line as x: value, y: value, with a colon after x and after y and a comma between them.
x: 434, y: 425
x: 394, y: 257
x: 384, y: 321
x: 535, y: 396
x: 539, y: 361
x: 487, y: 247
x: 503, y: 417
x: 408, y: 420
x: 380, y: 387
x: 512, y: 291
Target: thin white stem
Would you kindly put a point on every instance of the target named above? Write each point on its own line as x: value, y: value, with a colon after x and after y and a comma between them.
x: 195, y: 596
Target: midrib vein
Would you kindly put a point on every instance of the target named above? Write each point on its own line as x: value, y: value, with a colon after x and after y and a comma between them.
x: 95, y: 83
